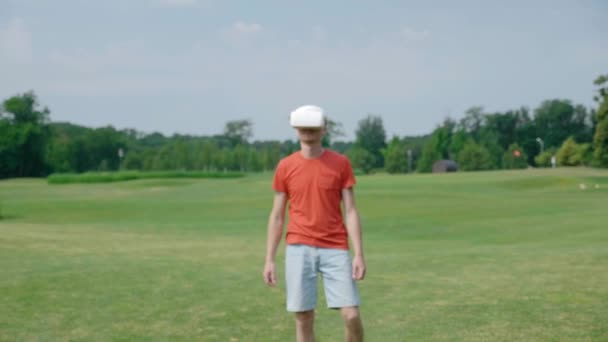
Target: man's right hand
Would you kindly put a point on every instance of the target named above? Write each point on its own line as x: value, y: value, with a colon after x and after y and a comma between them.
x: 269, y: 274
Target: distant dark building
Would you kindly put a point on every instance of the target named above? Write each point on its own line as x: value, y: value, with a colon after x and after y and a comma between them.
x: 442, y: 166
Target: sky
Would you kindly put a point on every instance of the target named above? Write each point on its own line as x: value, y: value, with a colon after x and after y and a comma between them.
x: 189, y: 66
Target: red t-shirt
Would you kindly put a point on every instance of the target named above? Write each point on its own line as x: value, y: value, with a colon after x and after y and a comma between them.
x: 314, y: 191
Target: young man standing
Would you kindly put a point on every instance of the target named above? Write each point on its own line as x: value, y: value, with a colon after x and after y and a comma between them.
x: 315, y: 181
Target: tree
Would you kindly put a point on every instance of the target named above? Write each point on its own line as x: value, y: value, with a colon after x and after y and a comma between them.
x: 526, y: 134
x: 586, y: 153
x: 444, y: 135
x: 489, y: 140
x: 437, y: 147
x: 395, y: 158
x: 333, y: 130
x: 206, y: 151
x: 504, y: 126
x: 9, y: 149
x: 371, y: 136
x: 162, y: 160
x: 134, y: 160
x: 415, y: 144
x: 341, y: 146
x: 271, y: 153
x: 238, y: 132
x: 74, y: 148
x: 600, y: 138
x: 430, y: 154
x: 584, y: 120
x: 459, y: 139
x: 514, y: 158
x: 473, y: 122
x: 474, y: 157
x: 288, y: 147
x: 241, y: 157
x: 254, y: 162
x: 600, y: 144
x: 155, y: 139
x: 23, y: 109
x: 361, y: 159
x: 24, y: 135
x: 58, y: 153
x: 556, y: 120
x: 180, y: 153
x: 102, y: 145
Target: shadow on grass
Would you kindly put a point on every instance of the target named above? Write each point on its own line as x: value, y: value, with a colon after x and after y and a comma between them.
x: 8, y: 217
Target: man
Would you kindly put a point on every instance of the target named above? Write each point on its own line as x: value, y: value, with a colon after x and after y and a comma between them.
x: 315, y: 181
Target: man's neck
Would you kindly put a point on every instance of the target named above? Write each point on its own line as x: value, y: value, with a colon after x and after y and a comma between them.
x: 311, y: 151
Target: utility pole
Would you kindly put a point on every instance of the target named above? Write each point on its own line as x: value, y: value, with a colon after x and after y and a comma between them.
x: 542, y: 144
x: 121, y: 154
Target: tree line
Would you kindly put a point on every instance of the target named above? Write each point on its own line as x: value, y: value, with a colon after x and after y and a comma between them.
x: 31, y: 145
x: 482, y: 140
x: 519, y: 138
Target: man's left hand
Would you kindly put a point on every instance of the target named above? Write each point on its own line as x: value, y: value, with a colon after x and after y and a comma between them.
x: 358, y: 268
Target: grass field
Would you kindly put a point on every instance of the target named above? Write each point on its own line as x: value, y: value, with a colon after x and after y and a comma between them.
x: 495, y: 256
x: 108, y: 177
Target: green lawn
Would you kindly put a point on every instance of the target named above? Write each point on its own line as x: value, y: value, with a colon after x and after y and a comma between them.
x: 494, y: 256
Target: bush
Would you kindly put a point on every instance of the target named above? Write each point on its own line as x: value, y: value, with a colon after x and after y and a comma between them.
x: 515, y: 158
x: 361, y: 159
x: 544, y: 159
x: 573, y: 154
x: 430, y: 154
x: 107, y: 177
x: 474, y: 157
x: 395, y: 157
x: 600, y: 142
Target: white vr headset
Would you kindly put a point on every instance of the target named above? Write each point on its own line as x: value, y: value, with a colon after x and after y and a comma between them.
x: 307, y: 117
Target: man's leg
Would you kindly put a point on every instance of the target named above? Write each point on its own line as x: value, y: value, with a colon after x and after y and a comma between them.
x: 301, y: 288
x: 304, y: 326
x: 341, y: 290
x: 353, y: 328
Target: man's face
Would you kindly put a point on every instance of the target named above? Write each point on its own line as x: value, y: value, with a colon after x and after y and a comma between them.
x: 310, y: 135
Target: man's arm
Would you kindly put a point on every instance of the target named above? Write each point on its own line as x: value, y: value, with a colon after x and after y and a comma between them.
x: 353, y: 226
x: 275, y: 232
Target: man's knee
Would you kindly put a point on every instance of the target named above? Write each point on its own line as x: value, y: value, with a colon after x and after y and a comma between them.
x: 305, y: 317
x: 350, y: 315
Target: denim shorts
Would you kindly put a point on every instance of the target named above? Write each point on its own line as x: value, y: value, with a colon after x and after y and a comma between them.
x: 304, y: 263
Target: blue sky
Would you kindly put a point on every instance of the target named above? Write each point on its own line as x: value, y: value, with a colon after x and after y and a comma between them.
x: 188, y: 66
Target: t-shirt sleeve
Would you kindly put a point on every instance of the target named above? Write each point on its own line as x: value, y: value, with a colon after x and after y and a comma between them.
x: 278, y: 183
x: 348, y: 177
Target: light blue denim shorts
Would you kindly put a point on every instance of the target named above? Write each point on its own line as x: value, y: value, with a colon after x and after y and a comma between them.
x: 304, y: 263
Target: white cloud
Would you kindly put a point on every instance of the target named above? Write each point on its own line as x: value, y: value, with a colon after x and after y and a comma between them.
x: 115, y: 57
x: 241, y: 33
x: 126, y: 68
x: 411, y: 34
x: 16, y: 42
x: 244, y: 29
x: 179, y: 3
